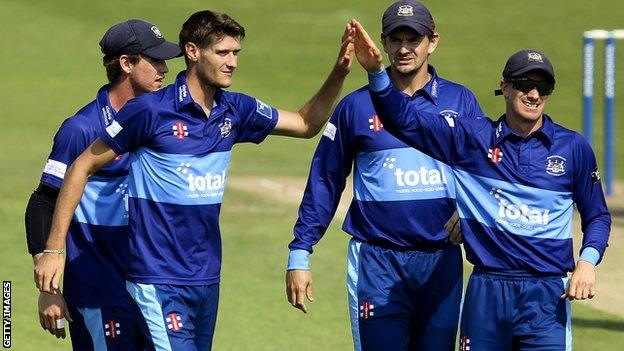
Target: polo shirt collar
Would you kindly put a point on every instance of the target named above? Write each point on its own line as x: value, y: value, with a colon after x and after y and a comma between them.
x: 547, y: 130
x: 183, y: 96
x: 105, y: 110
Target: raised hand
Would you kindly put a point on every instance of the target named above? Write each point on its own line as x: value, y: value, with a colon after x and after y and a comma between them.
x: 345, y: 56
x: 366, y: 52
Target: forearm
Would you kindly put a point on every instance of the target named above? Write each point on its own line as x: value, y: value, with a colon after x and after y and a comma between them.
x: 317, y: 110
x: 417, y: 128
x: 68, y: 199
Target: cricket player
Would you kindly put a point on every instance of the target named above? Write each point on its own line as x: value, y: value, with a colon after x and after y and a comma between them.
x: 517, y: 181
x: 180, y: 140
x: 103, y: 315
x: 404, y: 276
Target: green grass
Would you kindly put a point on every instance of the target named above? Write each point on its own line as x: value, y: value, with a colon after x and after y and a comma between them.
x: 51, y: 67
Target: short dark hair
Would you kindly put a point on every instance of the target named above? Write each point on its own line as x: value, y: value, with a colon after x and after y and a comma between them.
x: 205, y: 26
x: 113, y: 68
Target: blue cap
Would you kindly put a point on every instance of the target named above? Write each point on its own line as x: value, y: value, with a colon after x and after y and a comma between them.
x: 137, y: 37
x: 407, y: 13
x: 525, y: 61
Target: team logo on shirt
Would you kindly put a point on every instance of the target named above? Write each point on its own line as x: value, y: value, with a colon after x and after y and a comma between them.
x: 449, y: 117
x: 208, y: 185
x: 499, y: 130
x: 330, y: 131
x: 108, y: 115
x: 435, y: 179
x: 182, y: 92
x: 123, y: 190
x: 464, y: 343
x: 495, y: 155
x: 595, y: 175
x: 174, y: 322
x: 112, y: 329
x: 180, y: 130
x: 555, y: 165
x: 225, y: 127
x: 375, y: 124
x: 519, y: 215
x: 366, y: 310
x: 264, y: 109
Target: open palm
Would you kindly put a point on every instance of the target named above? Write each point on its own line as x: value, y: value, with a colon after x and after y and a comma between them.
x: 366, y: 52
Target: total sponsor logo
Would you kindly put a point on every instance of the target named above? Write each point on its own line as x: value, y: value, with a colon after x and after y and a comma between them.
x: 122, y: 189
x: 520, y: 215
x: 431, y: 179
x: 205, y: 185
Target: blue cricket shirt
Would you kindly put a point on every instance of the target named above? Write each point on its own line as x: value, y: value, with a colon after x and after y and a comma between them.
x: 515, y: 195
x: 179, y: 162
x: 97, y: 241
x: 402, y: 197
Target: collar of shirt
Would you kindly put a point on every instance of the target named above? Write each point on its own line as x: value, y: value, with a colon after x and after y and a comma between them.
x: 546, y: 132
x: 430, y: 90
x: 106, y: 111
x: 183, y: 97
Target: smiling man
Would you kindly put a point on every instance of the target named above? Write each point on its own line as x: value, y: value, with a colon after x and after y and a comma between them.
x: 404, y: 275
x: 97, y: 244
x: 180, y: 140
x: 518, y: 179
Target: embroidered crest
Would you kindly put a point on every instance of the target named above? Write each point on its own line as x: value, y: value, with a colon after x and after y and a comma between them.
x: 555, y: 165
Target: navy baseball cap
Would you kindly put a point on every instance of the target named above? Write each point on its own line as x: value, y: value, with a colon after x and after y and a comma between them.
x: 525, y: 61
x: 137, y: 37
x: 407, y: 13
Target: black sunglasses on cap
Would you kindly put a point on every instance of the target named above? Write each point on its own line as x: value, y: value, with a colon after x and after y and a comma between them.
x: 525, y: 85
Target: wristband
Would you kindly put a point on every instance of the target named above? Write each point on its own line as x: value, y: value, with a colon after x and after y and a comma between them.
x: 56, y: 251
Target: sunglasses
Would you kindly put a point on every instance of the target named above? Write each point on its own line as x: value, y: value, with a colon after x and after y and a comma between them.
x: 526, y: 85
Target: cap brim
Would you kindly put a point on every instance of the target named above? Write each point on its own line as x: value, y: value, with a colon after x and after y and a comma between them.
x: 530, y: 68
x: 164, y: 51
x: 419, y: 28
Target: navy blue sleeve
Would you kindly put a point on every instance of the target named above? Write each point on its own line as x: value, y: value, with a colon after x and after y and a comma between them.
x: 473, y: 108
x: 257, y: 119
x: 131, y: 127
x: 434, y: 136
x: 70, y: 141
x: 590, y: 202
x: 331, y: 165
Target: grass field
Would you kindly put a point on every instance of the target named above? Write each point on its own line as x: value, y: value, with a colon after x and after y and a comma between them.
x: 51, y: 66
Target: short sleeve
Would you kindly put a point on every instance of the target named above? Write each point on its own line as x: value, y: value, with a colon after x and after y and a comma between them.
x: 131, y: 127
x: 70, y: 141
x: 256, y: 118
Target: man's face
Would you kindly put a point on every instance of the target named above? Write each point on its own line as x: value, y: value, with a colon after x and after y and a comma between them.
x: 216, y: 63
x: 147, y: 75
x: 408, y: 50
x: 525, y: 106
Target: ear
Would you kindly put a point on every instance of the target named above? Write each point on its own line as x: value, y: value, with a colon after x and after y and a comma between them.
x: 191, y: 51
x: 433, y: 42
x: 504, y: 86
x: 125, y: 64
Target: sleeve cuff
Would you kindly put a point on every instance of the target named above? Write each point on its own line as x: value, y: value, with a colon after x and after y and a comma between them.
x: 591, y: 255
x: 298, y: 259
x: 378, y: 81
